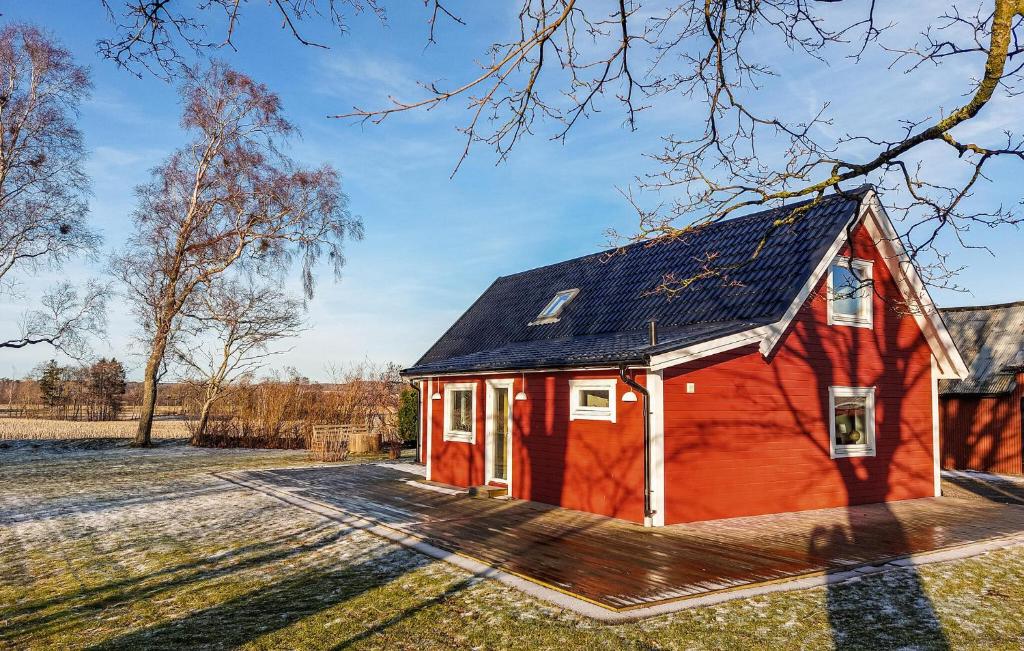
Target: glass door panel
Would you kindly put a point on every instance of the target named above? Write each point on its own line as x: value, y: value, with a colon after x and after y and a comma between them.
x: 499, y: 443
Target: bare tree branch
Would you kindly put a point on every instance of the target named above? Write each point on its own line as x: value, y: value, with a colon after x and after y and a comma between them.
x: 703, y: 53
x: 158, y: 36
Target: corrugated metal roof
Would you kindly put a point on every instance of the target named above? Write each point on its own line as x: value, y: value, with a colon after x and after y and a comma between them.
x: 991, y: 340
x: 606, y: 321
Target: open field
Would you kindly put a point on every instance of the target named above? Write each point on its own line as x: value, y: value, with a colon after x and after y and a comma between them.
x: 40, y: 428
x: 127, y: 412
x: 102, y: 545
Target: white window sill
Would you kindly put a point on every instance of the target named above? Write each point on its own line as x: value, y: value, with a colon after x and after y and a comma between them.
x: 459, y: 437
x: 848, y: 451
x: 852, y: 321
x: 592, y: 415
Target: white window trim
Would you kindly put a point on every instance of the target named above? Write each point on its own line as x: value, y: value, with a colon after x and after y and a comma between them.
x: 866, y: 449
x: 865, y: 271
x: 490, y: 423
x: 576, y: 412
x: 458, y: 436
x: 553, y: 318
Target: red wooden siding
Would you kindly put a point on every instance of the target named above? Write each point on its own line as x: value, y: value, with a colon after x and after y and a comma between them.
x: 984, y: 433
x: 754, y: 436
x: 588, y: 465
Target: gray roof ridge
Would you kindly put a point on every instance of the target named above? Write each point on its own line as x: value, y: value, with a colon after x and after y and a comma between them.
x: 973, y: 308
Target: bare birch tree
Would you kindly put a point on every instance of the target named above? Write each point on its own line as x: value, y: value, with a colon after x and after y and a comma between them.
x: 228, y: 199
x: 228, y: 333
x: 44, y: 188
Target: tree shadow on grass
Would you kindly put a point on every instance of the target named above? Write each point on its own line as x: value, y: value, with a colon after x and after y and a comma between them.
x: 880, y: 611
x: 90, y: 504
x: 451, y: 591
x: 272, y: 608
x: 22, y: 623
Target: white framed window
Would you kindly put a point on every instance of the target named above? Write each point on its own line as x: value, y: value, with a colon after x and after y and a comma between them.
x: 592, y: 399
x: 460, y: 412
x: 850, y: 293
x: 555, y: 306
x: 851, y: 421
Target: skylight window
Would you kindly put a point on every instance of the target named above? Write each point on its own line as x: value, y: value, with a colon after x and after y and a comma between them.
x: 554, y: 308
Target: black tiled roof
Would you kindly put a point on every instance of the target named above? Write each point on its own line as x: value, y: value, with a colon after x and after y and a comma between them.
x: 606, y: 322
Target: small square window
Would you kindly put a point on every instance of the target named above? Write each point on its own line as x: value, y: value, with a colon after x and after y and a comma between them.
x: 852, y: 421
x: 592, y: 399
x: 850, y: 293
x: 555, y: 306
x: 460, y: 412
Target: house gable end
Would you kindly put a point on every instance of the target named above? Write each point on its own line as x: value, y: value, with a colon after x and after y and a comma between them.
x: 872, y: 217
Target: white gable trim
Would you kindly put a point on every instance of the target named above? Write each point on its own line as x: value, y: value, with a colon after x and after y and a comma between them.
x: 879, y: 226
x: 780, y: 327
x: 767, y: 336
x: 914, y: 291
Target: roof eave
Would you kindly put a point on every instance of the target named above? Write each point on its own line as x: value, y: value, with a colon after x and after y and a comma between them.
x: 641, y: 361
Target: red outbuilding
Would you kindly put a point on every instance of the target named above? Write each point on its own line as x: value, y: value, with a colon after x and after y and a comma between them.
x: 982, y: 425
x: 802, y: 376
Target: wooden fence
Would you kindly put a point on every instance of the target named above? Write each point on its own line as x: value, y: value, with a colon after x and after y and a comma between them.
x: 335, y: 442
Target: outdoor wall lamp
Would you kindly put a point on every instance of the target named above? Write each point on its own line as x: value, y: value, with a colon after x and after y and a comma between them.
x: 522, y: 392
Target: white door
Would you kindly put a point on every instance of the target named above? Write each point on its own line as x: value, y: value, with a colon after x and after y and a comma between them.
x: 498, y: 451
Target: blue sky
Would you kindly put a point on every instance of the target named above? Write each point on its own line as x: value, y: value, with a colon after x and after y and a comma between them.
x: 434, y: 243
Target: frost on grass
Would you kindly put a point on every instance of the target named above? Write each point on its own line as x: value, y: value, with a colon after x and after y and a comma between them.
x: 103, y: 545
x: 146, y: 539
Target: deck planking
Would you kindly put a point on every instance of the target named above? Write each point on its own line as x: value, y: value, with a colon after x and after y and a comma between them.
x: 622, y: 565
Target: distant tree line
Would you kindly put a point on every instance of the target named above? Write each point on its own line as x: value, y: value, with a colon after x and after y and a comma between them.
x: 88, y: 392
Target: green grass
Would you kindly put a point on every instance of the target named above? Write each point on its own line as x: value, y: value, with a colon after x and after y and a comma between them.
x: 122, y: 549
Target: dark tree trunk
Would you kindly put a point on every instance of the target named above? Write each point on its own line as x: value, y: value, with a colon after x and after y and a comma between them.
x: 143, y: 438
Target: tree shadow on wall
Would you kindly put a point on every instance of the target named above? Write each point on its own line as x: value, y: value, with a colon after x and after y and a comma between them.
x: 889, y: 609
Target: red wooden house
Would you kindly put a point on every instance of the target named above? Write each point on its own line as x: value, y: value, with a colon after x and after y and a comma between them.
x: 982, y: 424
x: 804, y: 378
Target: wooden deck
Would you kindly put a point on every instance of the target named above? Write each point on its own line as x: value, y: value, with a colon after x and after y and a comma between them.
x: 620, y: 565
